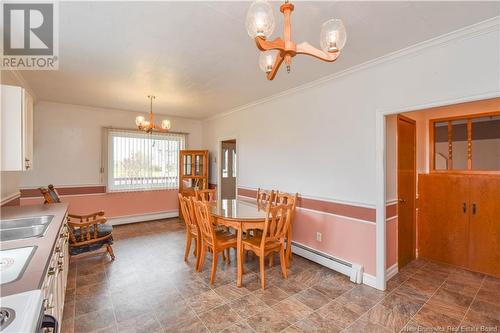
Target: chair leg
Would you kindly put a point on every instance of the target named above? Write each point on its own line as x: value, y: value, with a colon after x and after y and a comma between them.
x: 110, y: 251
x: 271, y: 259
x: 223, y: 255
x: 228, y: 255
x: 188, y: 246
x: 283, y: 262
x: 214, y: 267
x: 195, y: 250
x: 262, y: 271
x: 198, y: 252
x: 202, y: 257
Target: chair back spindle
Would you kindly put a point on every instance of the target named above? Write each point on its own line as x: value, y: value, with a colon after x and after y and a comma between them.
x: 278, y: 219
x: 204, y: 219
x: 205, y: 195
x: 264, y: 197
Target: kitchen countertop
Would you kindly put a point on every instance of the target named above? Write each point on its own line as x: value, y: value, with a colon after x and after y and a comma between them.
x: 34, y: 273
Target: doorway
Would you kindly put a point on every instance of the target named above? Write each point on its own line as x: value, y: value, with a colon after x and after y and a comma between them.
x: 406, y: 185
x: 228, y: 169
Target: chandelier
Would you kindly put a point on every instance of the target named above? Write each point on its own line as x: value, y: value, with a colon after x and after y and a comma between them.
x: 260, y: 25
x: 149, y: 125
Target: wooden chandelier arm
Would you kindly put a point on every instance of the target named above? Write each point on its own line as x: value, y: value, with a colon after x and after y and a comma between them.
x: 276, y: 66
x: 264, y: 45
x: 308, y: 49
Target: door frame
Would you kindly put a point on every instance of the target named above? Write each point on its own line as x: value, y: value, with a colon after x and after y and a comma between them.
x: 414, y: 194
x: 219, y: 164
x: 380, y: 171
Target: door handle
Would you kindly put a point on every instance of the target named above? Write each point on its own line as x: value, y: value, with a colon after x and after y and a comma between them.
x: 474, y: 208
x: 401, y: 200
x: 464, y: 207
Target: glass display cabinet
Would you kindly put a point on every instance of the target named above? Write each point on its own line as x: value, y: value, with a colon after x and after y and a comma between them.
x: 193, y: 171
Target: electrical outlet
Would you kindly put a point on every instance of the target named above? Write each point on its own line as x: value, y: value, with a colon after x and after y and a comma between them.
x: 318, y: 236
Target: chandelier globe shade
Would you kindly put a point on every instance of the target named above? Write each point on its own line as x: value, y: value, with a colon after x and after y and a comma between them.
x: 260, y: 19
x: 266, y: 60
x: 139, y: 120
x: 165, y: 124
x: 260, y: 25
x: 333, y: 35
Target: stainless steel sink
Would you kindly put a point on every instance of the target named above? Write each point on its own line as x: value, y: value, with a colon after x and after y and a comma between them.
x: 24, y: 227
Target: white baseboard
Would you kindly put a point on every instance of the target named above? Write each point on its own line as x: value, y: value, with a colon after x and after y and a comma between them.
x: 391, y: 271
x: 142, y: 217
x: 371, y: 280
x: 10, y: 197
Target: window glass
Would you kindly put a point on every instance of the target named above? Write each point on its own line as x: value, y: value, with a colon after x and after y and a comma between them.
x: 485, y: 147
x: 441, y: 145
x: 459, y: 144
x: 139, y: 161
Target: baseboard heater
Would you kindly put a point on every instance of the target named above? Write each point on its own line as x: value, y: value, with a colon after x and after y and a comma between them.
x: 354, y: 271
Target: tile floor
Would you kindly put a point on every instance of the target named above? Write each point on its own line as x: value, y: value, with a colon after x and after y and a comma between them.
x: 150, y: 289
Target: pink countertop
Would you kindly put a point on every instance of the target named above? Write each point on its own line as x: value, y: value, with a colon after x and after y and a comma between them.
x: 35, y: 272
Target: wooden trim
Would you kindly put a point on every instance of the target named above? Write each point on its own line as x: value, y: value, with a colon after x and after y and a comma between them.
x: 466, y: 116
x: 356, y: 212
x: 73, y: 190
x: 391, y: 211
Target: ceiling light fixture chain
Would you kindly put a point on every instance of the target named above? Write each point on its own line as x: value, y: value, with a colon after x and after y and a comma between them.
x: 260, y: 25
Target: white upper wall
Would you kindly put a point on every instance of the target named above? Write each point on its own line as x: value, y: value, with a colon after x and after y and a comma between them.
x: 68, y: 142
x: 320, y: 140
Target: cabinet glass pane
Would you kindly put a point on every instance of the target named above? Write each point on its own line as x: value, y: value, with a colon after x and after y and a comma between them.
x: 486, y: 143
x: 441, y: 145
x: 459, y: 144
x: 187, y: 165
x: 198, y: 165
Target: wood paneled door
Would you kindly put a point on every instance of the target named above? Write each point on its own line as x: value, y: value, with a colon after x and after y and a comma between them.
x: 484, y: 244
x: 406, y: 190
x: 443, y: 218
x: 458, y: 220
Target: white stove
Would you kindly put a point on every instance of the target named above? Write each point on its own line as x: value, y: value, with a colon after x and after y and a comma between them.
x: 13, y: 262
x: 20, y: 312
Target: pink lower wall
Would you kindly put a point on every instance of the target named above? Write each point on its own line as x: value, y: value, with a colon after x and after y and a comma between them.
x: 341, y: 237
x: 391, y: 239
x: 118, y: 204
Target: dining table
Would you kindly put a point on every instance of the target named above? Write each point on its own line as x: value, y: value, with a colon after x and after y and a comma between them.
x: 240, y: 215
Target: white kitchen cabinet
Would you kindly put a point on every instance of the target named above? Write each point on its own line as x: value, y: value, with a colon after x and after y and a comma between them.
x: 16, y: 129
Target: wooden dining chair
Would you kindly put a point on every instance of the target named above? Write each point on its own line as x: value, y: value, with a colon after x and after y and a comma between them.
x: 86, y: 232
x: 192, y: 229
x: 264, y: 197
x: 271, y: 239
x: 205, y: 195
x: 215, y: 242
x: 287, y: 199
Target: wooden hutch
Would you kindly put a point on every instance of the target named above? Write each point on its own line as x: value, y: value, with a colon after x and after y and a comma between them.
x: 193, y: 171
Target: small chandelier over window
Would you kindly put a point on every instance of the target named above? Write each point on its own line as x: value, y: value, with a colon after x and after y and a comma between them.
x: 260, y: 26
x: 149, y: 125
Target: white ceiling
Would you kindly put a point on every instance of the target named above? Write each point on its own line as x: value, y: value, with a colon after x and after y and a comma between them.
x: 198, y: 59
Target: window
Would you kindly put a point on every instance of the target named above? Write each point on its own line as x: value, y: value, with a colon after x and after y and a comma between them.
x: 140, y: 161
x: 469, y: 143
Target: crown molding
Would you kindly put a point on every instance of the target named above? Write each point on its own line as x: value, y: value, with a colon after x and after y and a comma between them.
x: 471, y: 31
x: 19, y: 77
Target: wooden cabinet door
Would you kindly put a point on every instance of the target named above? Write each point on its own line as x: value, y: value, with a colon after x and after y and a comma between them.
x: 484, y: 246
x: 443, y: 218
